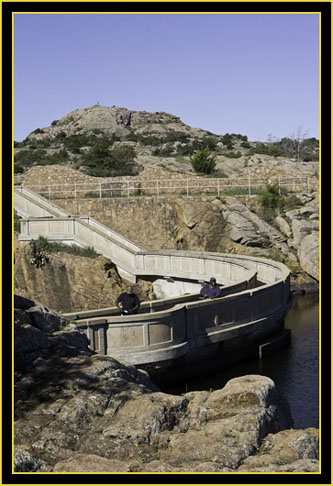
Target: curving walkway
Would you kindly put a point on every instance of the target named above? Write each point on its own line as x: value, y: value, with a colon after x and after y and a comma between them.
x: 247, y: 320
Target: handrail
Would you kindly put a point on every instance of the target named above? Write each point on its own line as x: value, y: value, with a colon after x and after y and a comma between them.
x: 111, y: 186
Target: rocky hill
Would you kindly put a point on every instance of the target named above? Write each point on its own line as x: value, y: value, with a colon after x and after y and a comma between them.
x: 110, y: 136
x: 77, y: 411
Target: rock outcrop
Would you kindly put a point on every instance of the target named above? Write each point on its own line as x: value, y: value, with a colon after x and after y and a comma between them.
x: 76, y: 411
x: 69, y: 282
x: 115, y: 120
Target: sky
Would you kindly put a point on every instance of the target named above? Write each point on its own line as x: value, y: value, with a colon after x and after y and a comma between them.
x: 249, y: 74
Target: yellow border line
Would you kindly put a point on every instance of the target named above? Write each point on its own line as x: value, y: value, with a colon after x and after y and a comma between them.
x: 170, y: 13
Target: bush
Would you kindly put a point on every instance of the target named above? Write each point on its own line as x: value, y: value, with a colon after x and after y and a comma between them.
x: 18, y: 144
x: 25, y: 158
x: 210, y: 142
x: 43, y: 243
x: 103, y: 162
x: 265, y: 150
x: 270, y: 198
x: 163, y: 152
x: 203, y: 162
x: 232, y: 155
x: 16, y: 221
x: 59, y: 157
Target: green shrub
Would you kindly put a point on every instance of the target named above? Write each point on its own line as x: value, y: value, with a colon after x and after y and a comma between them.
x: 210, y: 142
x: 270, y: 197
x: 174, y: 136
x: 202, y: 161
x: 151, y: 140
x: 16, y: 221
x: 25, y: 158
x: 163, y: 152
x: 43, y: 243
x: 233, y: 155
x: 103, y: 162
x: 18, y: 168
x: 264, y: 149
x: 18, y: 144
x: 59, y: 157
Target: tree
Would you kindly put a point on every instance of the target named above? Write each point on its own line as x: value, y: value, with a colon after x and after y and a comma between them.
x: 270, y: 197
x: 202, y: 161
x: 297, y: 141
x: 293, y: 146
x: 103, y: 162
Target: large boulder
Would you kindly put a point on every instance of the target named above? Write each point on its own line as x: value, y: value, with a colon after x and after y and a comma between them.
x: 308, y: 254
x: 245, y: 227
x: 40, y: 332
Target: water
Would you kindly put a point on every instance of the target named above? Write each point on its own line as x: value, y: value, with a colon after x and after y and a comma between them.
x: 294, y: 370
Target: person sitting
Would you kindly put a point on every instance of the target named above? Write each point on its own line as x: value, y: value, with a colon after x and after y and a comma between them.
x: 128, y: 302
x: 210, y: 290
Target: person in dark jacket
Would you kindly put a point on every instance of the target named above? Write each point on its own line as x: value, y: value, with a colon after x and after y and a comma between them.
x: 210, y: 290
x: 128, y: 302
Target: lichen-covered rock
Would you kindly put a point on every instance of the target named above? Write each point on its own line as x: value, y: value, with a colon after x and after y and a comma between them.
x: 227, y: 425
x: 25, y: 462
x: 90, y: 463
x: 287, y: 451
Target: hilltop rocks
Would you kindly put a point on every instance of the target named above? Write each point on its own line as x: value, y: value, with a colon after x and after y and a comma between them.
x: 114, y: 120
x: 83, y: 412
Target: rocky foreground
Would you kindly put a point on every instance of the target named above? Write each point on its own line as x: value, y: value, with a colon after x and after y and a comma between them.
x: 77, y: 411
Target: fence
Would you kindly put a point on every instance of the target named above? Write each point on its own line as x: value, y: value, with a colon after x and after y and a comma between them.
x: 121, y: 188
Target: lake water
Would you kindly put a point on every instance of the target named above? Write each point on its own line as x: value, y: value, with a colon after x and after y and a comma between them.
x: 295, y: 370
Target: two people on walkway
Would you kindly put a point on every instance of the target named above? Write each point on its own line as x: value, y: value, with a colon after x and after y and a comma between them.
x: 128, y: 302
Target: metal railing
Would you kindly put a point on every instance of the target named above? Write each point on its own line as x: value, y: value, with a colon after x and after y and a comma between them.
x: 122, y: 188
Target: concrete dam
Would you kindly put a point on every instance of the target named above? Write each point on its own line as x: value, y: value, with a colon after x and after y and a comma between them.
x: 178, y: 330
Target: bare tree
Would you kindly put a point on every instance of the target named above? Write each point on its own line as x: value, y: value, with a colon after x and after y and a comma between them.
x: 297, y: 141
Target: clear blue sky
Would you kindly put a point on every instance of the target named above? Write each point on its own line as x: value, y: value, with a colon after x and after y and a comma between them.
x: 254, y: 74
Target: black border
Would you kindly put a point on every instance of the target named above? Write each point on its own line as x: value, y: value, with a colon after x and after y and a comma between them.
x: 174, y: 7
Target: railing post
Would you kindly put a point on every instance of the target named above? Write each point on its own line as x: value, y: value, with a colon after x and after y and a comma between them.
x: 249, y: 187
x: 49, y: 192
x: 75, y: 191
x: 279, y: 185
x: 218, y: 187
x: 187, y: 188
x: 100, y: 190
x: 308, y: 183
